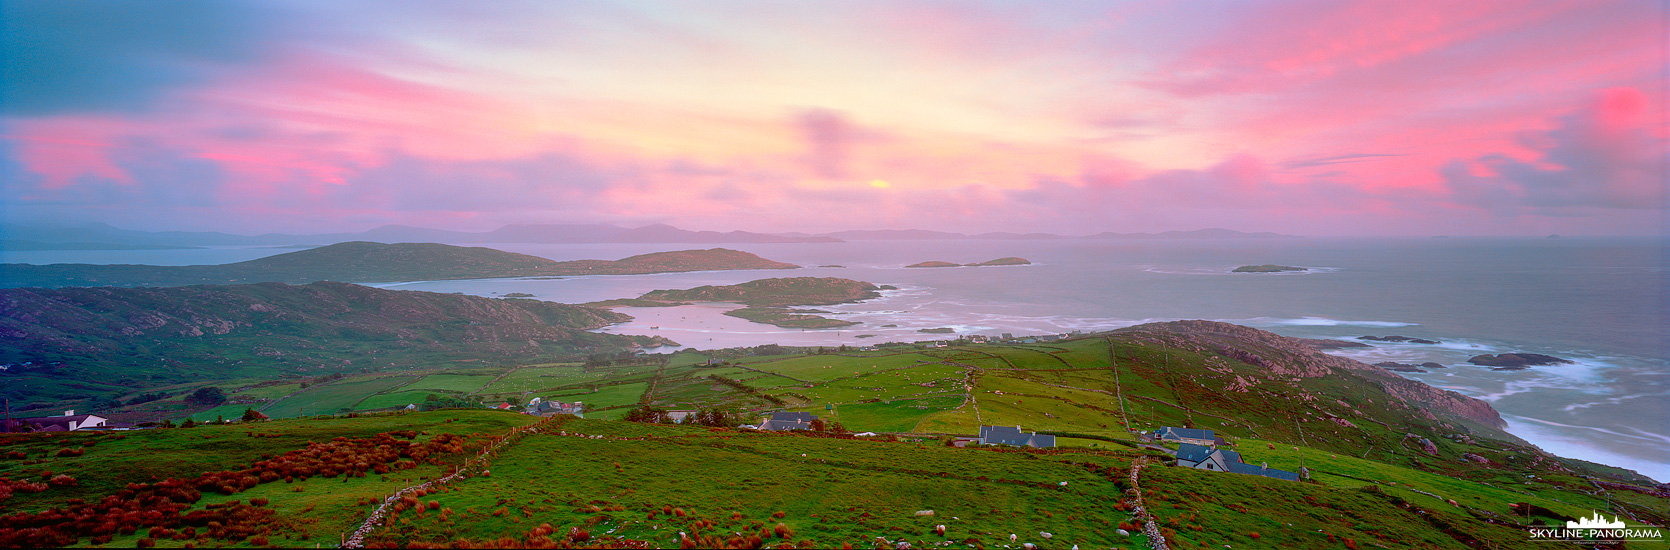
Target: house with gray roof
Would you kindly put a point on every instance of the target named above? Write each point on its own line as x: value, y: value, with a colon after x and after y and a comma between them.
x: 540, y: 407
x: 69, y: 422
x: 784, y: 421
x: 1005, y: 435
x: 1190, y: 455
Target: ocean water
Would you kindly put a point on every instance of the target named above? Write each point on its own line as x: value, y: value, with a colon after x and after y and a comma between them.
x: 1604, y: 303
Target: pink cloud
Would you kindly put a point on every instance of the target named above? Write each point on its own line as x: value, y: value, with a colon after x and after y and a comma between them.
x: 1611, y: 155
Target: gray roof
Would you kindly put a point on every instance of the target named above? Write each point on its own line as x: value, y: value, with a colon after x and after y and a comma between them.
x: 1193, y: 453
x: 794, y: 416
x: 1183, y: 433
x: 1006, y: 435
x: 784, y: 425
x: 1249, y: 469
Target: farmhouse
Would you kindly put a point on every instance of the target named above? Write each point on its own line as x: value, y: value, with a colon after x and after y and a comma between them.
x: 785, y: 421
x: 539, y: 407
x: 1190, y: 455
x: 70, y: 422
x: 1187, y: 435
x: 1004, y: 435
x: 681, y: 416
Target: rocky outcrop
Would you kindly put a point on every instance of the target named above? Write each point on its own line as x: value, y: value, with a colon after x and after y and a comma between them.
x: 1405, y: 367
x: 1517, y: 361
x: 1294, y: 358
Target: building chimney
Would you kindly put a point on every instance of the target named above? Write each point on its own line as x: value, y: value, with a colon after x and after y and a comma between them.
x: 70, y: 412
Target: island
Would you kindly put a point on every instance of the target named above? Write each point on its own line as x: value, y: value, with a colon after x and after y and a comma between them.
x: 938, y: 330
x: 517, y: 295
x: 768, y: 300
x: 1267, y: 268
x: 1517, y: 361
x: 789, y: 318
x: 1000, y: 261
x: 376, y: 262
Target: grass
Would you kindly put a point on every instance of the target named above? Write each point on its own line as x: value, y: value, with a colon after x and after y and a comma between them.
x: 460, y: 383
x: 335, y: 397
x: 829, y: 491
x: 896, y: 416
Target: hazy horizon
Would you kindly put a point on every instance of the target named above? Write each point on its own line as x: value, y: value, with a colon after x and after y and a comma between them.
x: 1306, y: 118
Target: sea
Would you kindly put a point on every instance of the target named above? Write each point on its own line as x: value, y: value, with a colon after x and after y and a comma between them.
x: 1603, y: 303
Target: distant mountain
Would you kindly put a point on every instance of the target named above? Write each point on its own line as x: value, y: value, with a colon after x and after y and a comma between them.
x: 1214, y: 233
x: 376, y: 262
x: 920, y: 234
x: 79, y: 342
x: 893, y: 234
x: 527, y: 233
x: 18, y: 244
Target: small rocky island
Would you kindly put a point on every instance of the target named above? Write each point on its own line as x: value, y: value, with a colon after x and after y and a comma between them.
x: 1517, y: 361
x: 1267, y: 268
x: 1000, y: 261
x: 1405, y: 367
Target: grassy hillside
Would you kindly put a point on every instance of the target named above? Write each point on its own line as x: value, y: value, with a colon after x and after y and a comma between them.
x: 594, y: 482
x: 375, y: 262
x: 64, y: 346
x: 597, y: 481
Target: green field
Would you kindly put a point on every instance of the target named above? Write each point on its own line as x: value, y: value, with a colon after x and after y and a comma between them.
x: 829, y: 491
x: 457, y: 383
x: 332, y: 398
x: 1372, y: 485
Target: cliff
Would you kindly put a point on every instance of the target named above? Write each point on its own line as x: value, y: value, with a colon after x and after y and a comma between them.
x: 1281, y: 357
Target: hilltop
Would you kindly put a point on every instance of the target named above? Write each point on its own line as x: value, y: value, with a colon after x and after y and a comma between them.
x: 376, y: 262
x: 76, y: 343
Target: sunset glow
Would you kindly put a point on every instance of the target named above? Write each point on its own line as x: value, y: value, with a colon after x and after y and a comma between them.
x: 1314, y: 118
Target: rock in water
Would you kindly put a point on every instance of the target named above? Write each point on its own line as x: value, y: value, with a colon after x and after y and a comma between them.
x: 1516, y: 361
x: 1396, y: 338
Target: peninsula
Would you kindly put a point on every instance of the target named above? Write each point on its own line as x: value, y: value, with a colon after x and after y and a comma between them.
x: 376, y: 262
x: 768, y: 299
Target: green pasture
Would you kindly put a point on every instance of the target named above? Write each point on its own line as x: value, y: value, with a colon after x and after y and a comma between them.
x: 829, y: 491
x: 895, y: 416
x: 397, y: 399
x: 332, y: 398
x: 460, y: 383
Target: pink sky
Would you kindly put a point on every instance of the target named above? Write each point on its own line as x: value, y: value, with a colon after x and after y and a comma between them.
x: 1313, y: 118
